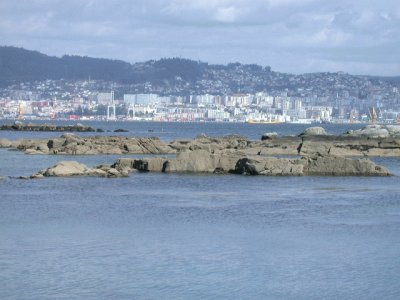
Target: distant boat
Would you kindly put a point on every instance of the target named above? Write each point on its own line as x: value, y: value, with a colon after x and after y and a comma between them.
x: 301, y: 121
x: 263, y: 121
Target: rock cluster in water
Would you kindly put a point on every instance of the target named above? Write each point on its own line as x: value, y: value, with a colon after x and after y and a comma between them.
x: 202, y: 161
x: 313, y: 152
x: 373, y: 140
x: 72, y: 144
x: 19, y: 126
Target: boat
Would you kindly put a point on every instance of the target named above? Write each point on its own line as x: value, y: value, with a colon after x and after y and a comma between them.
x: 263, y: 121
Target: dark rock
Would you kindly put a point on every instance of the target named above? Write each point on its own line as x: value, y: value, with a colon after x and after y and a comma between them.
x: 269, y: 136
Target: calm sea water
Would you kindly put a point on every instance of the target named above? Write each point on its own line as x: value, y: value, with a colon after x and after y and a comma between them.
x: 168, y: 236
x: 189, y: 130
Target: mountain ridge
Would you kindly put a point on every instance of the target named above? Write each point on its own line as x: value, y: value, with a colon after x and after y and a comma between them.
x: 172, y: 75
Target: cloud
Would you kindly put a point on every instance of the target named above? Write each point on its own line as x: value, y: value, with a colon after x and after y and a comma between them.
x: 290, y: 35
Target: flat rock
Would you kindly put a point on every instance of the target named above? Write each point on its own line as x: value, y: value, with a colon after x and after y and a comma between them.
x: 341, y: 166
x: 72, y: 144
x: 310, y: 166
x: 19, y: 126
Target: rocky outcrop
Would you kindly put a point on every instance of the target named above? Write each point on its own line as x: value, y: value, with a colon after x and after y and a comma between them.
x: 376, y: 131
x: 202, y: 161
x: 341, y: 166
x: 73, y: 168
x: 310, y: 166
x: 311, y: 143
x: 71, y: 144
x: 203, y: 142
x: 280, y: 146
x: 19, y: 126
x: 271, y: 166
x: 350, y: 146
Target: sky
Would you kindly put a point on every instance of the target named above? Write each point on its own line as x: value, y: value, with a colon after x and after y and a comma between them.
x: 294, y: 36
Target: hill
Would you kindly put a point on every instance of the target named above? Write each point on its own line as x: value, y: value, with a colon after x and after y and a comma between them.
x: 176, y: 75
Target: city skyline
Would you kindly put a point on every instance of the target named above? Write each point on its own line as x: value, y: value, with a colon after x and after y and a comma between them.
x: 361, y: 37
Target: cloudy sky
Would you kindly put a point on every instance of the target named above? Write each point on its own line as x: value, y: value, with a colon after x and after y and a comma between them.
x: 296, y: 36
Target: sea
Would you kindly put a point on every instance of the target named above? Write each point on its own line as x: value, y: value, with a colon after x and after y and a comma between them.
x: 193, y: 236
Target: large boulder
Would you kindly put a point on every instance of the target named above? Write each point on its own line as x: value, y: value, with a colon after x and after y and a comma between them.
x: 67, y: 168
x: 192, y: 161
x: 311, y: 131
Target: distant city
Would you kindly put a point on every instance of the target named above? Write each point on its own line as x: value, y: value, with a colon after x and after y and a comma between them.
x: 88, y: 100
x: 186, y: 91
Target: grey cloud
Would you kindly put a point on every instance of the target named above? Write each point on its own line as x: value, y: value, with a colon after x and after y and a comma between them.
x: 290, y: 35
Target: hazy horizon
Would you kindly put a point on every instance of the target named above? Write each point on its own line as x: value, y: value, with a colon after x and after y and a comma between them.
x: 360, y: 38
